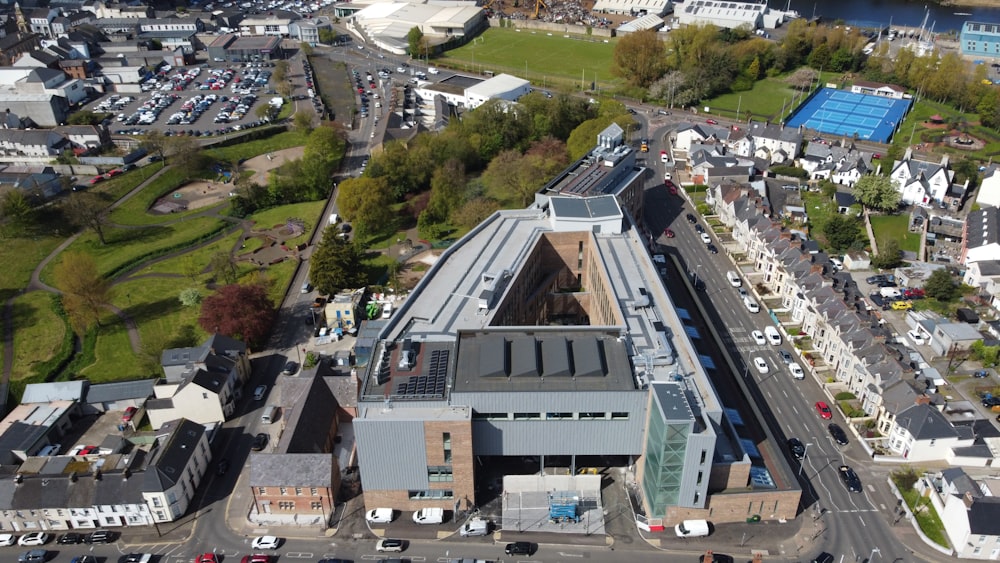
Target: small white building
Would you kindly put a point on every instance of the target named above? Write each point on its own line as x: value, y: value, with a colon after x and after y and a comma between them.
x: 729, y: 15
x: 921, y: 182
x: 500, y: 87
x: 878, y: 89
x: 175, y: 469
x: 989, y: 188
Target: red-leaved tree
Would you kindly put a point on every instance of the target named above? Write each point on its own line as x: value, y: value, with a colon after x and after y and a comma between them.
x: 239, y: 311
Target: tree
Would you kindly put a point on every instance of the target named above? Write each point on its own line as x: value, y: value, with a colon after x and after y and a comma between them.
x: 415, y: 40
x: 639, y: 58
x: 753, y: 71
x: 88, y: 210
x: 801, y: 79
x: 940, y: 286
x: 239, y: 311
x: 224, y: 267
x: 302, y: 121
x: 841, y: 232
x: 335, y: 264
x: 85, y: 293
x: 306, y: 49
x: 366, y: 203
x: 667, y: 86
x: 889, y: 255
x: 155, y: 142
x: 820, y: 57
x: 84, y: 117
x: 190, y: 296
x: 327, y: 36
x: 447, y: 187
x: 877, y: 192
x: 474, y: 212
x: 18, y: 214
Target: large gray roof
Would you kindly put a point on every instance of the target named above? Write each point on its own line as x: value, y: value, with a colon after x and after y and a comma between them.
x: 586, y: 208
x: 170, y: 458
x: 54, y: 391
x: 291, y: 470
x: 924, y: 422
x: 120, y: 391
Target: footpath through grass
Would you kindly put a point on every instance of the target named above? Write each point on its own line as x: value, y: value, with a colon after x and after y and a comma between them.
x: 544, y: 58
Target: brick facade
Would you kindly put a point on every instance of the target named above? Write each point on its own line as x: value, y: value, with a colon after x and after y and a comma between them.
x: 737, y: 507
x: 301, y: 502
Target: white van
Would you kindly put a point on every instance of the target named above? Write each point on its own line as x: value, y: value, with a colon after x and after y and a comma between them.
x: 475, y: 527
x: 751, y: 305
x: 692, y: 529
x: 734, y: 279
x: 52, y: 449
x: 432, y: 70
x: 773, y: 336
x: 267, y: 417
x: 379, y: 516
x: 429, y: 516
x: 334, y: 219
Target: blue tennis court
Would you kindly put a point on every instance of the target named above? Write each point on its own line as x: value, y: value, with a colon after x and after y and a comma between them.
x: 872, y: 118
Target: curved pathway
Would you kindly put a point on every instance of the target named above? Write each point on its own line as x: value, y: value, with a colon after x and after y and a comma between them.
x: 36, y: 284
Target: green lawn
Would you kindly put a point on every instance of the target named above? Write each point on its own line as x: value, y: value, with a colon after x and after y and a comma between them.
x: 153, y: 303
x: 819, y: 208
x: 121, y: 185
x: 888, y: 227
x: 764, y: 101
x: 285, y: 140
x: 125, y: 246
x: 39, y: 332
x: 927, y: 518
x: 545, y: 59
x: 19, y: 257
x: 114, y: 359
x: 914, y: 126
x: 308, y: 212
x: 198, y: 258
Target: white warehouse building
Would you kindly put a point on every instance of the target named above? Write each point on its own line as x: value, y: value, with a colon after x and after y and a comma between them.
x: 729, y: 15
x: 386, y: 24
x: 500, y: 87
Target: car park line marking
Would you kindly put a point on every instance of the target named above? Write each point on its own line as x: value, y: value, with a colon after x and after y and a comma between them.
x: 561, y: 554
x: 298, y: 555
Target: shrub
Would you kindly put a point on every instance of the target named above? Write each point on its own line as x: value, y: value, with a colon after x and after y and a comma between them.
x: 845, y: 396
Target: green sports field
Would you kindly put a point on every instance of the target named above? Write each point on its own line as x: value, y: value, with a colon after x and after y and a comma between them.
x: 546, y: 60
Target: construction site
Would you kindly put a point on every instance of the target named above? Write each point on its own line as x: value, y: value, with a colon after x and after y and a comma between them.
x: 594, y: 13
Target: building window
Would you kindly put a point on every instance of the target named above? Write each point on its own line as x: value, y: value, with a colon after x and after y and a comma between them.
x: 283, y: 491
x: 619, y: 416
x: 593, y: 416
x: 316, y: 505
x: 558, y: 416
x: 440, y: 474
x: 313, y: 491
x: 432, y: 494
x: 286, y: 505
x: 157, y: 503
x: 298, y: 491
x: 261, y: 491
x: 446, y: 446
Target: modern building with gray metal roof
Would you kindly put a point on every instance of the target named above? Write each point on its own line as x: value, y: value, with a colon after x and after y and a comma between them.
x: 539, y: 335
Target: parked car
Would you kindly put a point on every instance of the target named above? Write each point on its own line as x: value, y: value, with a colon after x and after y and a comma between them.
x: 705, y: 238
x: 129, y: 413
x: 390, y: 545
x: 796, y: 371
x: 824, y: 410
x: 100, y: 536
x: 837, y: 433
x: 786, y: 357
x: 711, y: 122
x: 981, y: 374
x: 206, y: 558
x: 290, y: 368
x: 7, y: 540
x: 34, y: 538
x: 259, y: 442
x: 668, y: 233
x: 222, y: 468
x: 258, y: 393
x: 916, y: 336
x: 713, y: 249
x: 33, y: 556
x: 691, y: 218
x: 256, y: 558
x: 902, y: 305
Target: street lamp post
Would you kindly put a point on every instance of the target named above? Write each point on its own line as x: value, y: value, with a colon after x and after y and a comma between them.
x: 804, y: 454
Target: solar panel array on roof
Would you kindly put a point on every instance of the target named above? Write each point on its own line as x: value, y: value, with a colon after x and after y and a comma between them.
x: 430, y: 383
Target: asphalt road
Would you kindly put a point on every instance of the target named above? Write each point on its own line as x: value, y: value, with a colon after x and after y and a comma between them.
x: 857, y: 525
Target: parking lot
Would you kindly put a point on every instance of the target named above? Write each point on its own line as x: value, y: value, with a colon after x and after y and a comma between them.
x: 204, y: 100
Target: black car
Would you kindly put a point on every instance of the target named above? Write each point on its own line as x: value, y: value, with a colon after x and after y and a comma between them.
x: 886, y: 283
x: 990, y: 402
x: 699, y: 228
x: 100, y: 536
x: 713, y: 249
x: 519, y: 548
x: 875, y: 279
x: 223, y: 467
x: 691, y: 218
x: 718, y: 558
x: 838, y: 434
x: 290, y: 368
x: 850, y: 478
x: 797, y: 448
x: 823, y: 557
x: 132, y: 558
x: 259, y: 442
x: 70, y: 538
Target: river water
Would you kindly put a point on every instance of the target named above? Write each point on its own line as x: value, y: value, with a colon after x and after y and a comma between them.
x: 874, y: 13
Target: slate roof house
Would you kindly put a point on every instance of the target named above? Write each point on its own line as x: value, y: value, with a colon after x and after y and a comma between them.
x: 981, y: 239
x: 969, y: 510
x: 201, y: 383
x: 922, y: 182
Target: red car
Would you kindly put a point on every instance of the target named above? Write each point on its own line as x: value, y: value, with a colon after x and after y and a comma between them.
x: 256, y: 558
x: 670, y: 186
x: 206, y: 558
x: 115, y: 172
x: 96, y: 179
x: 711, y: 122
x: 127, y: 417
x: 668, y: 233
x: 824, y: 410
